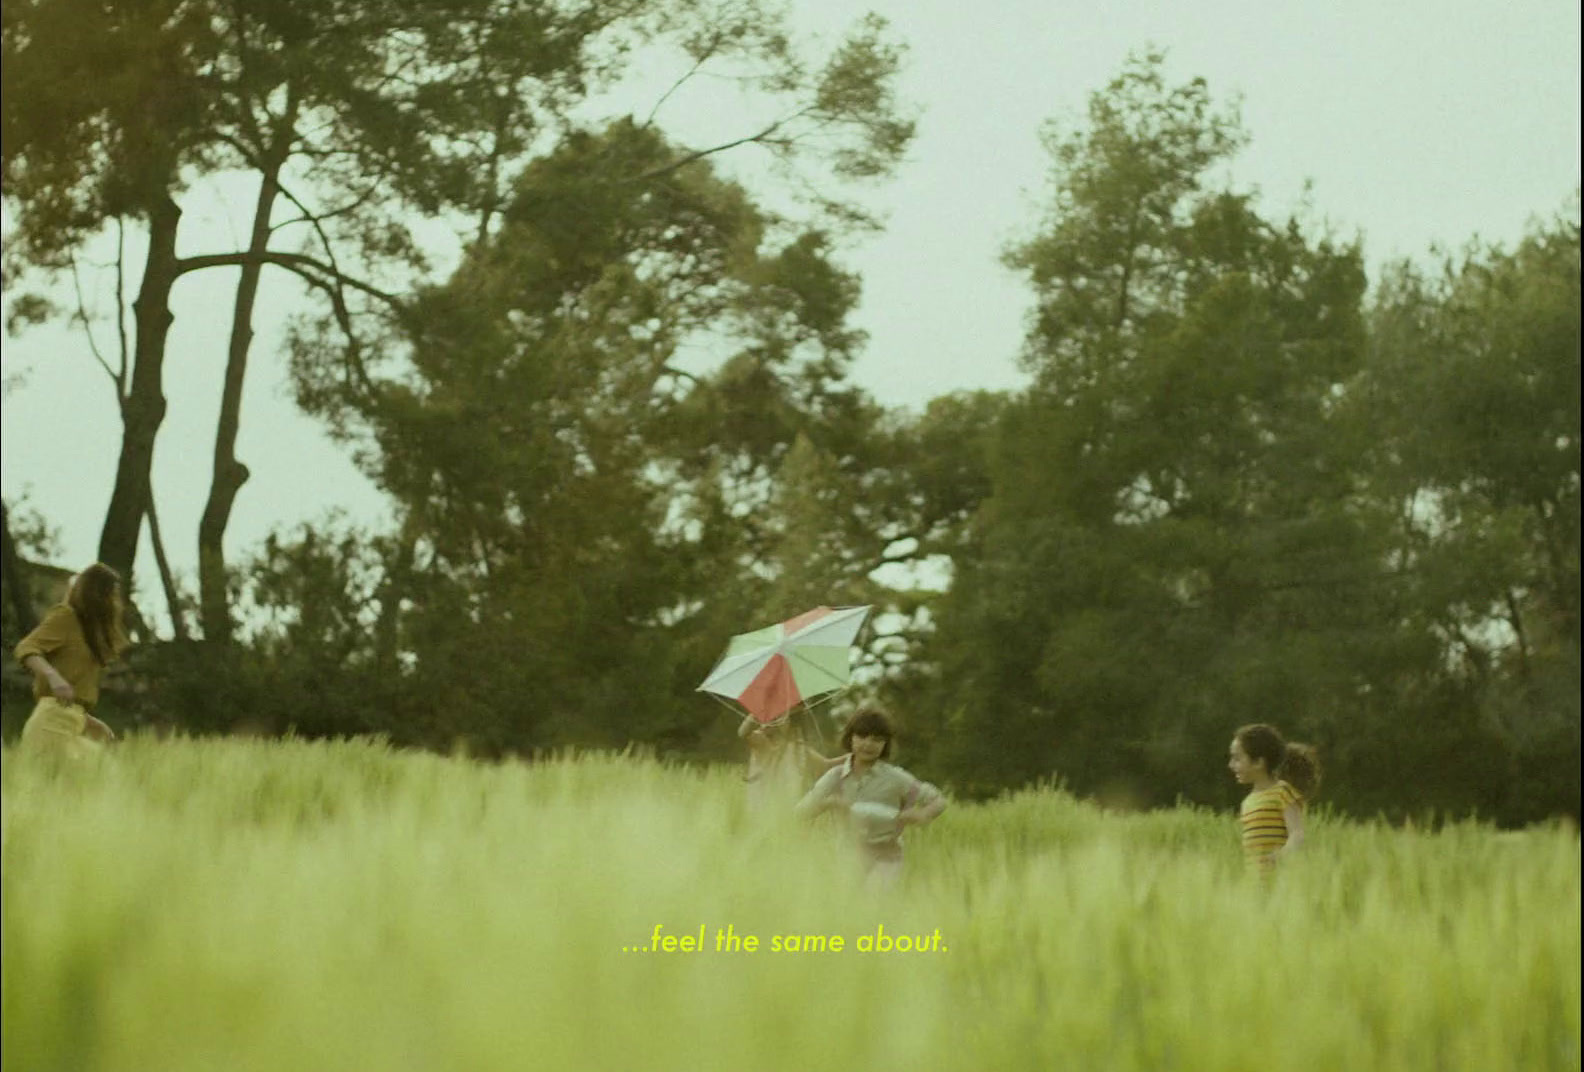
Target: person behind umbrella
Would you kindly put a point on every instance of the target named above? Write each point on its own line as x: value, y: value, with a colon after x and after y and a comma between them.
x: 780, y: 762
x: 1281, y: 777
x: 880, y: 799
x: 66, y: 654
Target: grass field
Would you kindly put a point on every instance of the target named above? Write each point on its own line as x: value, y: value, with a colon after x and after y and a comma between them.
x: 229, y: 905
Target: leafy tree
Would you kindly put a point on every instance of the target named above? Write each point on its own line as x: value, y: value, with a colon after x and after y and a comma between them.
x: 536, y: 440
x: 1471, y: 398
x: 1169, y: 547
x: 439, y: 105
x: 113, y: 100
x: 352, y: 87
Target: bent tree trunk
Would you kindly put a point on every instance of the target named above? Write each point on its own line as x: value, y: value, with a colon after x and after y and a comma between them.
x: 144, y: 408
x: 214, y: 605
x: 178, y: 616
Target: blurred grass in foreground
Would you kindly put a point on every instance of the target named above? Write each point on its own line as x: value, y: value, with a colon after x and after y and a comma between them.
x: 200, y: 905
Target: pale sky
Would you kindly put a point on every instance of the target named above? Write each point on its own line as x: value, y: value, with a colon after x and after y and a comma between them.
x: 1416, y: 121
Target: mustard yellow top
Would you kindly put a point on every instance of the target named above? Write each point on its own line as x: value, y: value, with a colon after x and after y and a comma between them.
x: 59, y: 638
x: 1264, y: 821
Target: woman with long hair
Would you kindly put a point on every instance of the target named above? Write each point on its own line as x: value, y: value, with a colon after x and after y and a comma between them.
x: 66, y: 654
x: 781, y: 763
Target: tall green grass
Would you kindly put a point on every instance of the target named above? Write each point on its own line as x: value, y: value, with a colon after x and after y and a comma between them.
x: 248, y: 905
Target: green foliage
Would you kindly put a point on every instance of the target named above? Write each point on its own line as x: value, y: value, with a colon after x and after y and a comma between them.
x: 530, y: 592
x: 857, y: 89
x: 1489, y: 457
x: 1471, y: 398
x: 1165, y: 500
x: 1238, y: 488
x: 1234, y: 494
x: 114, y: 99
x: 583, y: 521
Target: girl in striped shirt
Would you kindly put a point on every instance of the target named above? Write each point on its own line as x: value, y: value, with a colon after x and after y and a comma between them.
x: 1281, y: 777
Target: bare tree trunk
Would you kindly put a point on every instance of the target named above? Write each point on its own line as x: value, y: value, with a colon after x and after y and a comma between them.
x: 214, y: 605
x: 144, y: 409
x: 167, y: 580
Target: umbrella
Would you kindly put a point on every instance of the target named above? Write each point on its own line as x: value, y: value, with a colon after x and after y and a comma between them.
x: 772, y: 670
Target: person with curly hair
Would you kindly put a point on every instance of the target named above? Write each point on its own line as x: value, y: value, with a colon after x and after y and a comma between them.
x: 66, y: 654
x: 1281, y: 778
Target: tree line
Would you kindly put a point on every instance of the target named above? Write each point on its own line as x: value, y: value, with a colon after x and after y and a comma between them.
x: 1242, y: 485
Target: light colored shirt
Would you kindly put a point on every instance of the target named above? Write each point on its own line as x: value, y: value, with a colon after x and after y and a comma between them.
x: 883, y: 785
x: 779, y: 770
x: 59, y: 638
x: 774, y: 757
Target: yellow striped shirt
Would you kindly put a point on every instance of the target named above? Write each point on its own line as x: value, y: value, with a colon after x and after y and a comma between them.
x: 1264, y: 825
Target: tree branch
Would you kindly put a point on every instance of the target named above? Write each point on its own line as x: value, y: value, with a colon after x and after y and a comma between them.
x: 316, y: 221
x: 167, y: 579
x: 699, y: 154
x: 343, y: 317
x: 681, y: 374
x: 120, y: 288
x: 704, y: 58
x: 315, y: 218
x: 1515, y: 618
x: 316, y: 272
x: 93, y: 345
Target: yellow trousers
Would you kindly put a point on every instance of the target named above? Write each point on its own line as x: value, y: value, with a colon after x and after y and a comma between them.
x: 58, y: 729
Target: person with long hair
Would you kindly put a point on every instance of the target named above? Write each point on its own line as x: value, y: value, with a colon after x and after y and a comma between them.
x: 781, y: 763
x: 66, y: 654
x: 1281, y: 777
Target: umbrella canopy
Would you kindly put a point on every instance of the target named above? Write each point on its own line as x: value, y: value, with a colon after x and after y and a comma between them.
x: 772, y: 670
